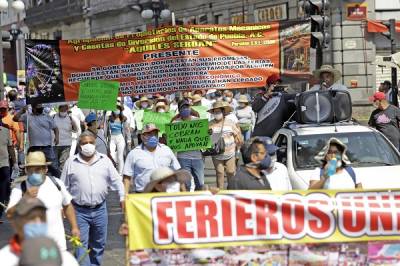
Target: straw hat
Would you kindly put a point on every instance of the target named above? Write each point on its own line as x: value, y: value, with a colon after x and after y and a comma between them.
x: 243, y: 99
x: 321, y: 155
x: 161, y: 99
x: 149, y: 128
x: 143, y: 99
x: 36, y: 158
x: 221, y: 105
x: 329, y: 69
x: 196, y: 98
x: 160, y: 104
x: 162, y: 173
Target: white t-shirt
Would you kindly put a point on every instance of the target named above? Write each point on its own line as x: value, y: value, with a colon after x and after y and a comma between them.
x: 54, y: 200
x: 279, y: 178
x: 341, y: 180
x: 8, y: 258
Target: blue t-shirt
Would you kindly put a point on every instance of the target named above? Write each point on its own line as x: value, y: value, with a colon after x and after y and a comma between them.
x: 116, y: 128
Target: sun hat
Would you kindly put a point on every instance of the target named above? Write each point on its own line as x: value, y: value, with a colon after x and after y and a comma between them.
x: 160, y: 104
x: 243, y: 99
x: 321, y: 155
x: 378, y: 96
x: 36, y: 158
x: 161, y: 99
x: 162, y: 173
x: 40, y: 251
x: 142, y: 99
x: 329, y: 69
x: 196, y: 98
x: 221, y: 105
x: 149, y: 128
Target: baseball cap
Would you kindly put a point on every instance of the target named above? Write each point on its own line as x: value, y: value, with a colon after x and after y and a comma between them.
x: 149, y: 128
x: 90, y: 117
x: 387, y: 82
x: 377, y: 96
x: 26, y: 204
x: 4, y: 104
x: 273, y: 78
x: 40, y: 251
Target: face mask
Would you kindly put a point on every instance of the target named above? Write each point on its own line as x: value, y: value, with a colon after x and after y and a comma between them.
x: 88, y: 149
x: 144, y: 105
x: 117, y: 112
x: 32, y: 230
x: 265, y: 163
x: 242, y: 105
x: 173, y: 187
x: 152, y: 142
x: 161, y: 110
x: 185, y: 112
x: 63, y: 114
x: 35, y: 179
x: 39, y: 110
x: 218, y: 116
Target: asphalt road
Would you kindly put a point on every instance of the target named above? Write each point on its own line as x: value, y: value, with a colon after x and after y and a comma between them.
x: 115, y: 249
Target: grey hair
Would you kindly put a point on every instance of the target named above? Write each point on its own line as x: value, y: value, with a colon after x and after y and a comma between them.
x: 86, y: 134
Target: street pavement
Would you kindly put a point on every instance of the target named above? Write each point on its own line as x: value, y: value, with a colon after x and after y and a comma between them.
x: 115, y: 250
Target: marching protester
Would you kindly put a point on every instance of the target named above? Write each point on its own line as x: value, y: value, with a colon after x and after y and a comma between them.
x: 385, y: 118
x: 51, y: 191
x: 335, y: 171
x: 228, y: 97
x: 161, y: 107
x: 98, y: 133
x: 78, y: 119
x: 226, y: 132
x: 146, y: 157
x: 386, y: 88
x: 117, y: 129
x: 143, y: 104
x: 87, y: 176
x: 246, y: 117
x: 7, y: 120
x: 30, y: 223
x: 192, y: 160
x: 272, y: 107
x: 7, y: 159
x: 328, y: 77
x: 66, y: 127
x: 164, y: 179
x: 242, y: 92
x: 39, y: 128
x: 130, y: 123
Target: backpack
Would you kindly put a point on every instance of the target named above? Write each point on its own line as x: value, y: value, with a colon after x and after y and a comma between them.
x: 52, y: 178
x: 348, y: 169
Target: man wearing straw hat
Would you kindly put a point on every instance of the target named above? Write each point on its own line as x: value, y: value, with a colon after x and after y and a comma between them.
x: 328, y: 76
x: 51, y: 191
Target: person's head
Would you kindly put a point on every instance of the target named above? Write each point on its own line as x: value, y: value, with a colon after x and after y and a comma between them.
x: 37, y: 108
x: 143, y: 103
x: 28, y: 218
x: 327, y: 75
x: 379, y: 100
x: 334, y: 148
x: 184, y: 108
x: 87, y: 144
x: 36, y: 167
x: 198, y: 92
x: 161, y: 107
x: 40, y: 251
x: 228, y: 96
x: 91, y: 121
x: 260, y: 151
x: 211, y: 94
x: 196, y: 100
x: 12, y: 95
x: 63, y: 110
x: 164, y: 179
x: 274, y: 79
x: 219, y: 110
x: 3, y: 108
x: 386, y: 85
x: 243, y: 101
x: 149, y: 136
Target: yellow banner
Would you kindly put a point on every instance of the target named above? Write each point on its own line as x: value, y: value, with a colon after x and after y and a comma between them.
x: 232, y: 218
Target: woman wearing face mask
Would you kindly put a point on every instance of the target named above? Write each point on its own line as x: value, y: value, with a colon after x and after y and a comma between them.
x: 116, y: 128
x: 335, y: 172
x: 230, y: 133
x: 246, y: 117
x: 164, y: 179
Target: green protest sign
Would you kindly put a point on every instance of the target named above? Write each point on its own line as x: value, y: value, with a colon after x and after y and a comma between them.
x: 159, y: 119
x: 98, y: 94
x: 188, y: 135
x: 139, y: 119
x: 202, y: 110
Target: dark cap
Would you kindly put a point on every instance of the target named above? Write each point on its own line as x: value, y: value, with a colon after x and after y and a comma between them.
x: 387, y: 82
x: 40, y: 251
x: 26, y: 204
x: 182, y: 103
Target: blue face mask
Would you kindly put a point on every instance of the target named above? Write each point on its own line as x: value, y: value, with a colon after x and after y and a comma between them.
x: 185, y: 112
x: 35, y: 179
x: 32, y: 230
x: 265, y: 163
x: 152, y: 142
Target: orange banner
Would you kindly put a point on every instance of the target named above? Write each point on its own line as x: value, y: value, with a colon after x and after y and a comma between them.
x: 169, y: 59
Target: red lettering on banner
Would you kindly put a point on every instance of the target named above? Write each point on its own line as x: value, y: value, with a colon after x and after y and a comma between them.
x: 354, y: 214
x: 242, y: 216
x: 206, y: 211
x: 266, y: 211
x: 182, y: 219
x: 380, y: 213
x: 163, y: 220
x: 293, y: 210
x: 226, y: 217
x: 397, y: 207
x: 322, y: 224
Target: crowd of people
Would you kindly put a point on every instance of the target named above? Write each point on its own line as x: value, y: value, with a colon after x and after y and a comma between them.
x: 74, y: 156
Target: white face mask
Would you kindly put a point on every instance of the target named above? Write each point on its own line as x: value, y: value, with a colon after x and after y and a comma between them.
x: 161, y: 110
x: 88, y: 149
x: 173, y: 187
x: 144, y: 105
x: 242, y: 105
x: 63, y: 114
x: 218, y: 116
